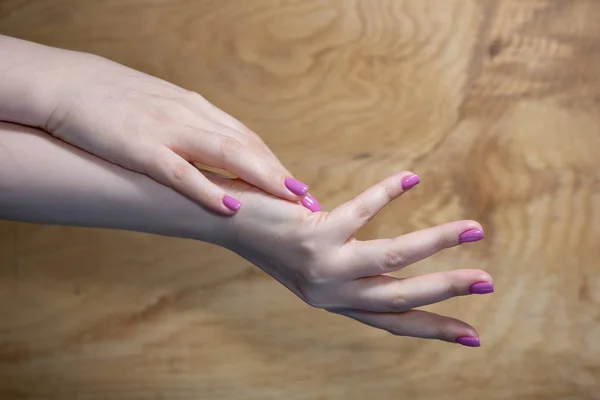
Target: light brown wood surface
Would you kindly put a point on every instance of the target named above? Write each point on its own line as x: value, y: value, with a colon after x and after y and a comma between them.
x: 496, y: 104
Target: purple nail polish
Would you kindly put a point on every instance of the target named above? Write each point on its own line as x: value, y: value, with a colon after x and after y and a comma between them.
x: 474, y: 235
x: 482, y: 288
x: 410, y: 182
x: 468, y: 341
x: 296, y: 187
x: 311, y: 203
x: 231, y: 203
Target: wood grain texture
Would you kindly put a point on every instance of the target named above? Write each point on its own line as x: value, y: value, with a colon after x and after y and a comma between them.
x: 496, y: 104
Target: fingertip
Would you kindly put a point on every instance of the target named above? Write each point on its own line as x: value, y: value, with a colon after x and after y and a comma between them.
x: 484, y: 287
x: 484, y: 277
x: 405, y: 174
x: 296, y: 187
x: 451, y: 330
x: 468, y: 341
x: 465, y: 335
x: 232, y: 204
x: 174, y: 171
x: 410, y: 181
x: 471, y: 224
x: 471, y: 235
x: 311, y: 203
x: 482, y: 284
x: 467, y: 282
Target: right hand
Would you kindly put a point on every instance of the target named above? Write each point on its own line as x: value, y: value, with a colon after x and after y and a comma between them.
x: 316, y: 256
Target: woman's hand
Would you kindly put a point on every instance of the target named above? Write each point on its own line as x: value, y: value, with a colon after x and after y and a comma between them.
x: 137, y: 121
x: 316, y: 256
x: 151, y: 126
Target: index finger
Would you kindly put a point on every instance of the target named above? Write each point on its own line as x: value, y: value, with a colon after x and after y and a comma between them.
x: 352, y: 215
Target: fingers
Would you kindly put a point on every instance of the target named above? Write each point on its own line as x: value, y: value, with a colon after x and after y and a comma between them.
x: 171, y: 170
x: 418, y: 324
x: 311, y: 203
x: 375, y: 257
x: 389, y: 294
x: 248, y: 162
x: 352, y: 215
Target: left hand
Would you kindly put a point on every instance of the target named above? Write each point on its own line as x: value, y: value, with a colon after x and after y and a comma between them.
x: 150, y: 126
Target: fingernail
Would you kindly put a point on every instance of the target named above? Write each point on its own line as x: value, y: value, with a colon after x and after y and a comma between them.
x: 410, y: 182
x: 231, y: 203
x: 296, y: 187
x: 474, y: 235
x: 468, y: 341
x: 311, y: 203
x: 482, y: 288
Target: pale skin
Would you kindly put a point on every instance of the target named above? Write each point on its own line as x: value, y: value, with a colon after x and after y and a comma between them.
x: 137, y: 121
x: 314, y: 254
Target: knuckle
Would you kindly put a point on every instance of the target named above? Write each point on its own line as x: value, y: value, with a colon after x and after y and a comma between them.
x: 454, y: 290
x: 261, y: 172
x: 165, y: 167
x: 400, y: 304
x: 393, y: 259
x: 271, y: 175
x: 437, y: 333
x: 230, y: 149
x: 158, y: 162
x: 178, y: 171
x: 441, y: 332
x: 362, y: 211
x: 391, y: 191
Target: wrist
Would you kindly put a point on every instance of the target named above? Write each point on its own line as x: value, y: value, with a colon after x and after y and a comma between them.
x: 31, y: 76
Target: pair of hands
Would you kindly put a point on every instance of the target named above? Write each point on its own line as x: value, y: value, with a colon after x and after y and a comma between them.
x: 150, y: 126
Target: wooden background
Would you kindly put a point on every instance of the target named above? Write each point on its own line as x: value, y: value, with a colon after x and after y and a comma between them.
x: 496, y: 104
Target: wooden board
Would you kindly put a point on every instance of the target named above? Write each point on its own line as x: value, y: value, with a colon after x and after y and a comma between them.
x: 496, y: 104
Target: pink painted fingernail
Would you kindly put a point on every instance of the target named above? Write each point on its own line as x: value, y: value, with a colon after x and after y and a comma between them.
x: 473, y: 235
x: 311, y: 203
x: 231, y: 203
x: 296, y: 187
x: 482, y: 288
x: 468, y: 341
x: 410, y: 182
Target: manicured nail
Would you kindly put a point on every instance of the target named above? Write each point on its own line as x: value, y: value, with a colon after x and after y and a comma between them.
x: 231, y: 203
x: 410, y: 182
x: 311, y: 203
x: 474, y: 235
x: 482, y: 288
x: 468, y: 341
x: 296, y: 187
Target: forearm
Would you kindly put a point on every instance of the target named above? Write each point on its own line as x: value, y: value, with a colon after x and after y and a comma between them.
x: 30, y: 77
x: 44, y: 180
